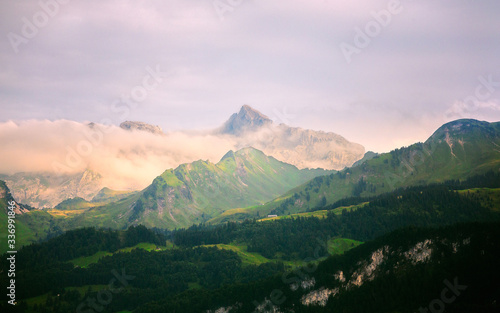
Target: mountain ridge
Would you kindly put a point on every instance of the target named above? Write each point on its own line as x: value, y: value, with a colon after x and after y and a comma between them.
x: 194, y: 192
x: 456, y: 150
x: 48, y: 186
x: 303, y: 148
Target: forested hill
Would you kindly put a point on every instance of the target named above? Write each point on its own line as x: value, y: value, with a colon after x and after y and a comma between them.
x: 399, y: 272
x: 84, y: 242
x: 194, y: 277
x: 408, y: 270
x: 423, y: 206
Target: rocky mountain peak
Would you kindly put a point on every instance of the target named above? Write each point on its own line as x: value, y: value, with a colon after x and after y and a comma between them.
x: 303, y: 148
x: 141, y: 126
x: 247, y: 119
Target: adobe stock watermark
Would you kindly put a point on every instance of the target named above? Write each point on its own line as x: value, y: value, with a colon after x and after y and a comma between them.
x: 48, y: 10
x: 480, y: 100
x: 11, y: 246
x: 448, y: 295
x: 282, y: 116
x: 105, y: 296
x: 122, y: 107
x: 363, y: 36
x: 223, y: 7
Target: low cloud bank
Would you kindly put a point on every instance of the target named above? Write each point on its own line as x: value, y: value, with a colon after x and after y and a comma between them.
x: 125, y: 159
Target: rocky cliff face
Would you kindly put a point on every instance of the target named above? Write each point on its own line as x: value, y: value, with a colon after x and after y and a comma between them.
x: 246, y: 120
x: 140, y: 126
x: 44, y: 190
x: 368, y: 270
x: 306, y: 148
x: 6, y: 196
x: 303, y: 148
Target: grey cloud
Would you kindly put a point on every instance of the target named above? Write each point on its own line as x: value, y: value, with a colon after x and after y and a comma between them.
x: 270, y: 54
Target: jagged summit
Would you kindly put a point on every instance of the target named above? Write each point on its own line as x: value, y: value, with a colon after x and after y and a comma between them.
x: 303, y: 148
x: 141, y: 126
x: 247, y: 119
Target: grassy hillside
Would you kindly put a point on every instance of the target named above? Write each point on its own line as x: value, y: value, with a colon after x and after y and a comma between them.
x: 107, y: 195
x: 31, y: 225
x: 112, y: 215
x: 198, y: 191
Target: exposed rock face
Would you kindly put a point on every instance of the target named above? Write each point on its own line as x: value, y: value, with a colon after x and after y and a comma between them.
x: 421, y: 252
x: 44, y: 190
x: 367, y: 270
x: 319, y: 297
x: 140, y: 126
x: 247, y: 119
x: 301, y: 147
x: 340, y: 276
x: 305, y: 284
x: 19, y: 209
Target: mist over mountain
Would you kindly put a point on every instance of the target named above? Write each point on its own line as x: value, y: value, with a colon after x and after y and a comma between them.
x: 247, y: 119
x: 195, y: 192
x: 457, y: 150
x: 44, y: 161
x: 6, y: 197
x: 46, y: 190
x: 303, y: 148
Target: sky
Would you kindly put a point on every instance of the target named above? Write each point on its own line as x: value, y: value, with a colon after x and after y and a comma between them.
x: 384, y: 74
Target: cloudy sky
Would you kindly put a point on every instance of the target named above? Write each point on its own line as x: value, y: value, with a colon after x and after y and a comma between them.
x: 381, y: 73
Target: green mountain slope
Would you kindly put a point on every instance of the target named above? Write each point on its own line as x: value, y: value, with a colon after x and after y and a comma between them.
x: 31, y: 225
x: 457, y: 150
x: 109, y: 195
x: 198, y: 191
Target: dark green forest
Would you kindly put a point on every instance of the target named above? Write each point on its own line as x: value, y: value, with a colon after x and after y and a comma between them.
x: 295, y: 238
x: 189, y: 277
